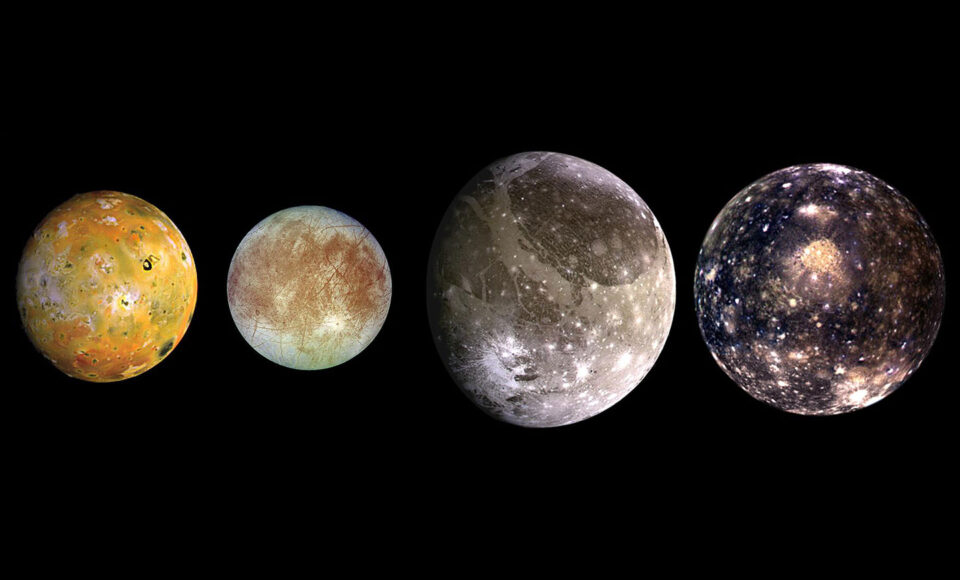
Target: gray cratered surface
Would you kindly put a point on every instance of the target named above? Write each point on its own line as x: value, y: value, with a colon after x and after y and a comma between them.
x: 551, y: 289
x: 819, y: 289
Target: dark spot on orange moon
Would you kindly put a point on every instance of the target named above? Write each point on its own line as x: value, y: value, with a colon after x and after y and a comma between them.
x: 165, y: 349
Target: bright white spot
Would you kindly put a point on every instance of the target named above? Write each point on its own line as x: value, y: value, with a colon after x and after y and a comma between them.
x: 582, y: 371
x: 809, y: 209
x: 857, y: 396
x: 834, y: 168
x: 333, y: 321
x: 839, y: 370
x: 623, y: 361
x: 786, y: 185
x: 110, y: 220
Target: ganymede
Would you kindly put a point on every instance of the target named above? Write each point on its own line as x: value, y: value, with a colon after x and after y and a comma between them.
x: 819, y: 289
x: 550, y: 289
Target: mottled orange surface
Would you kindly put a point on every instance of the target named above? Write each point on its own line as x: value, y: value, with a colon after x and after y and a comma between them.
x: 106, y: 286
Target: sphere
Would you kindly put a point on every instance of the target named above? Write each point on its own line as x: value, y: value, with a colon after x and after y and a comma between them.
x: 309, y: 287
x: 550, y: 289
x: 106, y: 286
x: 819, y: 289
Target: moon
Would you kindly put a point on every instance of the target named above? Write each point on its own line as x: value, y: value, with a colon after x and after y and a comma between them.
x: 550, y: 289
x: 106, y: 286
x: 309, y: 287
x: 819, y: 289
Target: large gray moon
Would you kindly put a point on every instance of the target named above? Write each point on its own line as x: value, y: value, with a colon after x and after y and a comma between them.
x: 550, y: 288
x: 819, y: 289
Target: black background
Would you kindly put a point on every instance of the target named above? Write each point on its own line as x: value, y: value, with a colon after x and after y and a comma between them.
x: 224, y: 131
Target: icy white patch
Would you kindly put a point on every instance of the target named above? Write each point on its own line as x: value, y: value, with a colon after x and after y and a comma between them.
x: 334, y: 322
x: 833, y: 168
x: 857, y: 397
x: 582, y: 371
x: 623, y: 361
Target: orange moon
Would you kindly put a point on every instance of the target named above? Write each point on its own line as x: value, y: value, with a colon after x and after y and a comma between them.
x: 106, y: 286
x: 309, y: 287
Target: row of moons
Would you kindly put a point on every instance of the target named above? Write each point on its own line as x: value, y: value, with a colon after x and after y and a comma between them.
x: 551, y: 289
